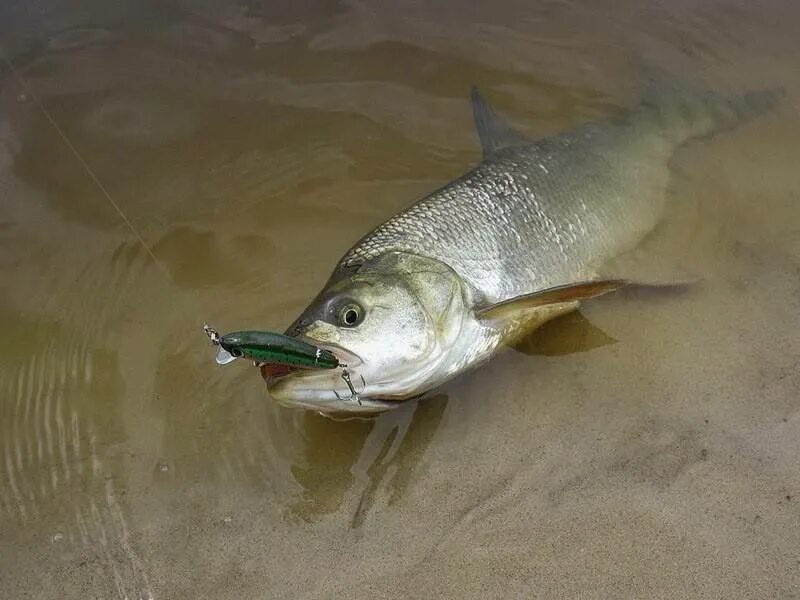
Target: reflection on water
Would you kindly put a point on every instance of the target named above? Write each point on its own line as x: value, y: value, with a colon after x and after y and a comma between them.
x: 648, y: 442
x: 353, y: 458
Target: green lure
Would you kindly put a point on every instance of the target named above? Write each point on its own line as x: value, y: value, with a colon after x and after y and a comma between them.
x: 270, y: 348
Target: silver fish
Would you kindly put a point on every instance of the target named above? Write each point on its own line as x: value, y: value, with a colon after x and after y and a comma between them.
x: 523, y: 237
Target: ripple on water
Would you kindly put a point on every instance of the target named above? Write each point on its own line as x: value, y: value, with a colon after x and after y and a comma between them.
x: 79, y: 38
x: 45, y: 439
x: 51, y: 472
x: 193, y: 36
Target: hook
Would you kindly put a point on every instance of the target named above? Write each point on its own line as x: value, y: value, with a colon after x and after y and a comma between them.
x: 354, y: 395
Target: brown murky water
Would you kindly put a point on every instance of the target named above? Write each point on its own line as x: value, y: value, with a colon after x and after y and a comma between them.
x: 648, y: 447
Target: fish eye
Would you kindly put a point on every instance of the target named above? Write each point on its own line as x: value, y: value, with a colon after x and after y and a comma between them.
x: 350, y: 315
x: 237, y: 352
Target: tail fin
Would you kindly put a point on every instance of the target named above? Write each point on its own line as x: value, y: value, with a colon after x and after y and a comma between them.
x: 686, y: 114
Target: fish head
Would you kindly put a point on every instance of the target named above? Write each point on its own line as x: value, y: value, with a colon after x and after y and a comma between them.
x: 391, y: 322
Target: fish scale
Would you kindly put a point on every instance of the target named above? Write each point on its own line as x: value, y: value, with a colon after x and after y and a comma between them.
x: 520, y: 221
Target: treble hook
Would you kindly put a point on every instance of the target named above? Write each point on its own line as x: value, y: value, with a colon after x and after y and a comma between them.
x: 348, y: 381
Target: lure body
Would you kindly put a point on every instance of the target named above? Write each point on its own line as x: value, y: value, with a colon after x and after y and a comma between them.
x: 272, y: 349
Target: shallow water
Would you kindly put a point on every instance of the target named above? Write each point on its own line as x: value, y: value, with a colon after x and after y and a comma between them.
x: 647, y: 447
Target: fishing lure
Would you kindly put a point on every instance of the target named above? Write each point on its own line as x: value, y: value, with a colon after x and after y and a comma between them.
x: 264, y: 347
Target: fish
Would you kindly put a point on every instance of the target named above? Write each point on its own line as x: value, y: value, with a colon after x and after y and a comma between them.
x: 528, y: 234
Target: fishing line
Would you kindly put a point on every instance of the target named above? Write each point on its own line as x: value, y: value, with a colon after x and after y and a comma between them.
x: 345, y: 375
x: 29, y: 91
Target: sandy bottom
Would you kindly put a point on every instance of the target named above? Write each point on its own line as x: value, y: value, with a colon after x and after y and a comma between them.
x: 646, y: 447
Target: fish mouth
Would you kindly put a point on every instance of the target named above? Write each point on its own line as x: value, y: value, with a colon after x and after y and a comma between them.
x: 324, y: 390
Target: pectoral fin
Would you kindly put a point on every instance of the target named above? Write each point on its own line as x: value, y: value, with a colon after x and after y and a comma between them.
x: 561, y: 294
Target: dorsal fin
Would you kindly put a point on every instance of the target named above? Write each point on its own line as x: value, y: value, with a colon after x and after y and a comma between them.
x: 493, y: 131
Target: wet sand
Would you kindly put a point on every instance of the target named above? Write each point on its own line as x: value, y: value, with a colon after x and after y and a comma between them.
x: 648, y: 447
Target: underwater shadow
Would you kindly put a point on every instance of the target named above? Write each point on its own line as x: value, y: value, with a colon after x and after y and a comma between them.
x: 347, y: 462
x: 567, y: 334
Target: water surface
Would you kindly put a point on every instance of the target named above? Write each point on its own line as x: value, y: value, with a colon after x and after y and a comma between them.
x: 646, y: 447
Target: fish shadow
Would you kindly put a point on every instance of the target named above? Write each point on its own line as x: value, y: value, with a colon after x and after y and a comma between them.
x: 568, y: 334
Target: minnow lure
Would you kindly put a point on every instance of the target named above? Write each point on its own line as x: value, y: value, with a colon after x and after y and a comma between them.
x: 264, y: 347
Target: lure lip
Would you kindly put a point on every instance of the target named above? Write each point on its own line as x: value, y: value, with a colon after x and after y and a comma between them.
x: 224, y: 356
